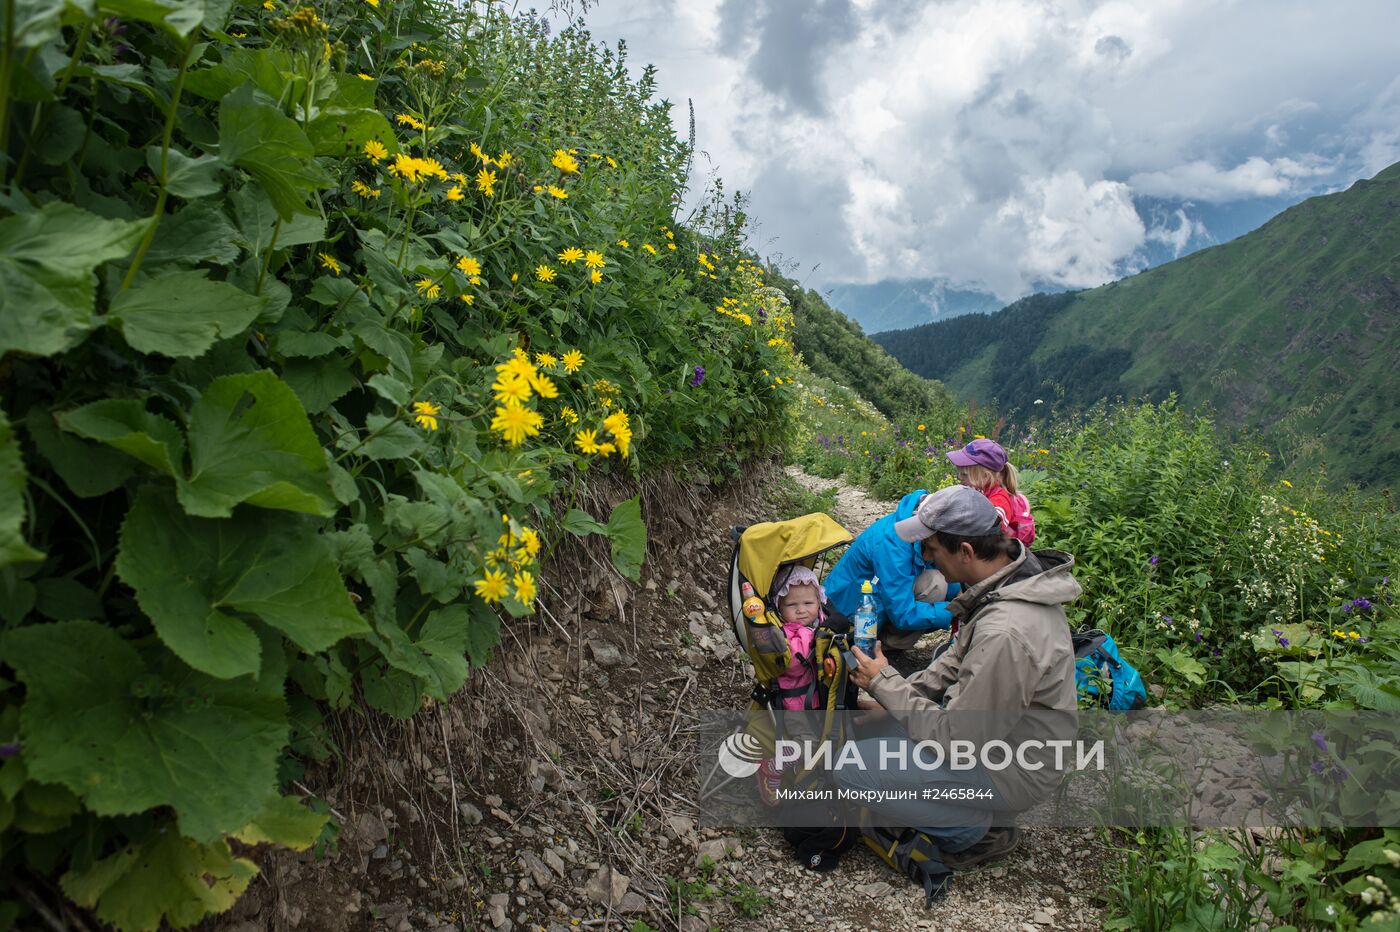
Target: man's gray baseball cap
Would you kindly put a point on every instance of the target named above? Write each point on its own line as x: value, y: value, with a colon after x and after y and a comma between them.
x: 955, y: 510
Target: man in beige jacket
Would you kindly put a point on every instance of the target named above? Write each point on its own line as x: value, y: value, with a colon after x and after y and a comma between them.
x: 1008, y: 675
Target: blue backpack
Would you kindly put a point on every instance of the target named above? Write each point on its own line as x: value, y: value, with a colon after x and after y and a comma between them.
x: 1103, y: 676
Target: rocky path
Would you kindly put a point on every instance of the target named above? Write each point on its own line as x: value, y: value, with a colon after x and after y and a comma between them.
x: 557, y: 792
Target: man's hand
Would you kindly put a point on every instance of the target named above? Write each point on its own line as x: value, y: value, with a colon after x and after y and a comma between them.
x: 867, y: 668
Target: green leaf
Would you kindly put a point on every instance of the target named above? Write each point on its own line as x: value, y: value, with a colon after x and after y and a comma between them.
x: 89, y: 469
x: 437, y: 658
x: 391, y: 691
x: 191, y: 576
x: 63, y: 134
x: 629, y: 538
x: 318, y: 382
x: 390, y: 389
x: 182, y: 314
x: 257, y: 137
x: 162, y: 879
x: 47, y: 285
x: 189, y: 178
x: 581, y: 524
x: 392, y: 439
x: 283, y: 821
x: 342, y: 133
x: 271, y: 70
x: 62, y: 599
x: 13, y: 480
x: 180, y: 17
x: 198, y: 233
x: 125, y: 423
x: 36, y: 22
x: 127, y: 733
x: 250, y: 441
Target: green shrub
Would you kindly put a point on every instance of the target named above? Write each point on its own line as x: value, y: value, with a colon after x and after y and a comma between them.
x: 307, y: 314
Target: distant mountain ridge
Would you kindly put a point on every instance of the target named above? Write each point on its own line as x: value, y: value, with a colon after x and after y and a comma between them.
x: 1292, y: 329
x: 895, y: 305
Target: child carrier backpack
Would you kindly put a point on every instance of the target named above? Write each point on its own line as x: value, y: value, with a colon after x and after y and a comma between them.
x: 762, y: 554
x: 1103, y: 678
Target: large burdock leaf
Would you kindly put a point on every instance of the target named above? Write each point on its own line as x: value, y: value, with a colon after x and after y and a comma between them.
x: 250, y: 442
x: 161, y: 878
x: 182, y: 314
x: 13, y: 478
x: 127, y: 732
x: 47, y: 285
x: 259, y: 138
x: 284, y: 821
x: 195, y: 576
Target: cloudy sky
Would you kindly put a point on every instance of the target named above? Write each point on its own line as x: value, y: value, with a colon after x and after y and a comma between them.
x: 1008, y: 145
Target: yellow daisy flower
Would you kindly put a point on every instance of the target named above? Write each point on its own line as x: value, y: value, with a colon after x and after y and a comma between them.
x: 328, y: 261
x: 594, y: 259
x: 556, y: 191
x: 587, y: 441
x: 565, y: 162
x: 571, y: 255
x: 572, y: 360
x: 492, y: 586
x: 425, y: 413
x: 544, y: 273
x: 375, y: 150
x: 514, y: 422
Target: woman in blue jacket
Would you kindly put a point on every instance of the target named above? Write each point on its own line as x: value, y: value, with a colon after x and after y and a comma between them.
x: 879, y: 552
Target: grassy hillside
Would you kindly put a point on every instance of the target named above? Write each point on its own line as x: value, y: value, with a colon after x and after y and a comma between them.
x: 1292, y: 329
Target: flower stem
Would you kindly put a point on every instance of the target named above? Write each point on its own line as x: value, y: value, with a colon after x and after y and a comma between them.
x: 164, y: 163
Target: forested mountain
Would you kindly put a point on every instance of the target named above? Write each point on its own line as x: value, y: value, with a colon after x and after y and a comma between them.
x: 1292, y: 329
x: 834, y: 346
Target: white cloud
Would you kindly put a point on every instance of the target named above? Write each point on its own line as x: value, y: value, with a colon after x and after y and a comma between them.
x: 1000, y: 143
x: 1255, y: 177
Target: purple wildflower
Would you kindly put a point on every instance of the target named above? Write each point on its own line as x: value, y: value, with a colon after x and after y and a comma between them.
x: 1168, y: 619
x: 1215, y: 653
x: 1318, y: 766
x: 1319, y: 739
x: 9, y: 749
x: 1283, y: 642
x: 1362, y: 604
x: 1154, y: 559
x: 1198, y: 637
x: 698, y: 377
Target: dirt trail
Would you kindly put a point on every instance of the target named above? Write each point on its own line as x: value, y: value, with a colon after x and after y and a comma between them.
x: 557, y: 792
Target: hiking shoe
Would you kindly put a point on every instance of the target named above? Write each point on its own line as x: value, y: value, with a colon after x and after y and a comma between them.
x: 996, y: 844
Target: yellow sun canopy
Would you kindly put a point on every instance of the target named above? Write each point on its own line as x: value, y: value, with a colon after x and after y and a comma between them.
x: 765, y: 547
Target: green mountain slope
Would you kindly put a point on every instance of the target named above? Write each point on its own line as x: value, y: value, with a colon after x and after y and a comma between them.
x: 1293, y: 329
x: 835, y: 347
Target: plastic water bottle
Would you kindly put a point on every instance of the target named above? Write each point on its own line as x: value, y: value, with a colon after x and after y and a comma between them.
x: 867, y: 620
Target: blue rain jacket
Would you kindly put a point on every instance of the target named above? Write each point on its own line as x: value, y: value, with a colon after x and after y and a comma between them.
x: 878, y: 552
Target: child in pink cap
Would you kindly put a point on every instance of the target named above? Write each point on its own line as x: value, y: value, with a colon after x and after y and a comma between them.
x: 801, y: 601
x: 983, y: 465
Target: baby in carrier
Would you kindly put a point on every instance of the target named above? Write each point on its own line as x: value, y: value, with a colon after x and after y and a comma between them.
x: 801, y: 601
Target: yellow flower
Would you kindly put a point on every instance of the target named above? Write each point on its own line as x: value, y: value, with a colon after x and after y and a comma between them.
x: 922, y: 427
x: 538, y: 188
x: 571, y: 255
x: 649, y: 248
x: 428, y: 288
x: 425, y: 413
x: 514, y: 277
x: 454, y: 193
x: 432, y: 167
x: 469, y: 266
x: 565, y: 162
x: 504, y: 159
x: 476, y: 151
x: 606, y: 449
x: 612, y: 161
x: 545, y: 359
x: 486, y: 182
x: 375, y: 150
x: 568, y: 415
x: 404, y: 119
x: 363, y: 190
x: 517, y: 365
x: 406, y: 167
x: 529, y: 541
x: 623, y: 243
x: 670, y: 245
x: 617, y: 424
x: 1286, y: 483
x: 595, y: 276
x: 269, y: 5
x: 669, y: 234
x: 556, y: 191
x: 514, y: 422
x: 978, y: 437
x: 544, y: 386
x: 1353, y: 634
x: 524, y: 587
x: 511, y: 386
x: 373, y: 3
x: 587, y: 441
x: 594, y: 155
x: 1042, y: 450
x: 467, y: 299
x: 492, y: 586
x: 328, y: 262
x: 572, y: 360
x: 544, y: 273
x: 365, y: 77
x: 594, y: 259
